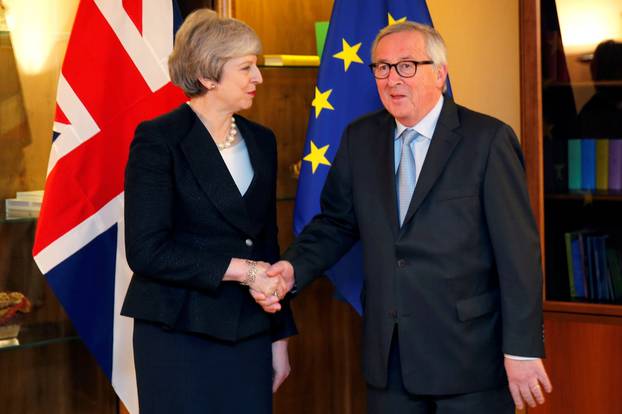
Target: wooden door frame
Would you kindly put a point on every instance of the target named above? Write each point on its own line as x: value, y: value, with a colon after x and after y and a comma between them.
x: 531, y: 107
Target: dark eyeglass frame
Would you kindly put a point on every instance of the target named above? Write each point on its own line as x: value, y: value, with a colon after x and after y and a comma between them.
x: 373, y: 66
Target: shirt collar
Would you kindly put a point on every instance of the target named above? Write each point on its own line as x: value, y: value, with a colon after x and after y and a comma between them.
x: 427, y: 125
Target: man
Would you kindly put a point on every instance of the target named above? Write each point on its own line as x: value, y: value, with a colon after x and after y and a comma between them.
x: 436, y: 194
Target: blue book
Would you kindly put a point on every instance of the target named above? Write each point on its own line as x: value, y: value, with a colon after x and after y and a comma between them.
x: 574, y: 259
x: 568, y: 239
x: 588, y: 164
x: 574, y: 164
x: 577, y: 266
x: 605, y: 287
x: 615, y: 272
x: 590, y: 264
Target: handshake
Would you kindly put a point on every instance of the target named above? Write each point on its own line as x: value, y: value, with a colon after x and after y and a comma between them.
x: 269, y: 284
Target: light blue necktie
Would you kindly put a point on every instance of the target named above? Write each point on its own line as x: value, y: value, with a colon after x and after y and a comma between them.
x: 406, y: 173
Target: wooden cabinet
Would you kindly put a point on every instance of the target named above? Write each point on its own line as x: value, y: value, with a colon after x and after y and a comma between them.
x: 583, y: 337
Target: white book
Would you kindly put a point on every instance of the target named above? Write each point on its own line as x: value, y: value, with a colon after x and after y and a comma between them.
x: 35, y: 195
x: 16, y: 204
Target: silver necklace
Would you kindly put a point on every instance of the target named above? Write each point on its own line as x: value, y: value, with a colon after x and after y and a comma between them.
x: 230, y: 138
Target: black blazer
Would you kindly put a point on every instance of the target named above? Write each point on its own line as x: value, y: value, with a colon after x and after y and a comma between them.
x: 461, y: 278
x: 184, y: 221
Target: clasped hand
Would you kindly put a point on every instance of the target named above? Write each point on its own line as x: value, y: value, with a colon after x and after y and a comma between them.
x: 272, y: 284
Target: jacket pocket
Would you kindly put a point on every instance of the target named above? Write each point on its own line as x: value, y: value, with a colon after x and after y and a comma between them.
x: 457, y: 193
x: 478, y: 305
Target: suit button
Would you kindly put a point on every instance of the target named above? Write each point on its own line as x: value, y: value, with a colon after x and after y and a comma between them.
x: 401, y: 263
x: 393, y: 314
x: 248, y: 242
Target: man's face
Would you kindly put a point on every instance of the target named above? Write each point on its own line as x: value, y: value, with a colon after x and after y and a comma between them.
x: 408, y: 99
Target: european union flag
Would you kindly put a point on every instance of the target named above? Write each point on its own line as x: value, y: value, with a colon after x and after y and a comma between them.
x: 345, y: 90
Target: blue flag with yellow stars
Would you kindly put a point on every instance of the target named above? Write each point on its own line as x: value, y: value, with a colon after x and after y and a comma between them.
x: 345, y: 90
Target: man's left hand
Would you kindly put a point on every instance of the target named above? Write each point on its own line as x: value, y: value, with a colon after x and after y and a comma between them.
x: 527, y: 379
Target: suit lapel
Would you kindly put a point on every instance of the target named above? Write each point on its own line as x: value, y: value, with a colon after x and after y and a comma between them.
x: 212, y: 174
x: 442, y: 145
x: 385, y: 157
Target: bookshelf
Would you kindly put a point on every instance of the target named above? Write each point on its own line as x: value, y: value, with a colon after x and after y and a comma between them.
x: 583, y: 337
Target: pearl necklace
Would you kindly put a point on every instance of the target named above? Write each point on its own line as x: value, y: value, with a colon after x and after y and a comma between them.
x: 230, y: 139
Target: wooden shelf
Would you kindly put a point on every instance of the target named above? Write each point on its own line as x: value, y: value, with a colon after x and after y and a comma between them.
x: 583, y: 308
x: 586, y: 196
x: 549, y: 83
x: 262, y: 66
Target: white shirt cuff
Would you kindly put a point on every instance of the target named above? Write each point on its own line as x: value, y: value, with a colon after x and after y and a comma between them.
x: 520, y: 358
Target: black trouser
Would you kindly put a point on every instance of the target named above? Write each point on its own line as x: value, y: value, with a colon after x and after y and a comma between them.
x: 396, y: 400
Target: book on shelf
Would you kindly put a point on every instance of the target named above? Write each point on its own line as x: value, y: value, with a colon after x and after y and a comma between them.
x: 591, y: 164
x: 588, y: 164
x: 321, y: 30
x: 601, y: 271
x: 556, y: 165
x: 594, y: 266
x: 26, y: 204
x: 574, y: 164
x: 602, y: 164
x: 291, y: 60
x: 615, y: 164
x: 569, y: 261
x: 576, y: 267
x: 35, y: 195
x: 615, y: 271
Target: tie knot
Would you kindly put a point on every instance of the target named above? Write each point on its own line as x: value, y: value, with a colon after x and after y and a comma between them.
x: 409, y: 135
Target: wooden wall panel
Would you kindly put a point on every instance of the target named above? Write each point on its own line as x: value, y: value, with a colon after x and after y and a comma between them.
x: 326, y: 373
x: 282, y: 103
x: 284, y: 26
x: 584, y: 361
x: 59, y: 379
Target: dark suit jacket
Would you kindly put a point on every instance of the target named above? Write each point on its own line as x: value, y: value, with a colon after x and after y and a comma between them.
x: 461, y: 278
x: 184, y: 221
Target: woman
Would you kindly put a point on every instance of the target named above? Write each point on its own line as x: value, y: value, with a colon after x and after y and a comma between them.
x: 200, y: 219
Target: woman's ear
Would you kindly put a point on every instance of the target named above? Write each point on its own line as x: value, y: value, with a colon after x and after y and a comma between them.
x: 207, y: 83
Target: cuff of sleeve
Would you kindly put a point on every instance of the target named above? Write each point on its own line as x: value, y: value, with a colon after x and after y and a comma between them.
x: 520, y: 358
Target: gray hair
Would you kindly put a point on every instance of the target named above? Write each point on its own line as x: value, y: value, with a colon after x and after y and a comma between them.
x: 434, y: 43
x: 203, y: 44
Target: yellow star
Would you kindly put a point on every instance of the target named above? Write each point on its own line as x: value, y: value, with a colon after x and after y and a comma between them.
x: 317, y: 156
x: 348, y: 54
x: 321, y: 101
x: 393, y: 21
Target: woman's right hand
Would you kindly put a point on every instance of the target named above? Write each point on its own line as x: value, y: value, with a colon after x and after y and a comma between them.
x: 265, y: 284
x: 239, y: 271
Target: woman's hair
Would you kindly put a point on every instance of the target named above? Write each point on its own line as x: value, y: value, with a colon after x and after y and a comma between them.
x: 203, y: 44
x: 434, y: 43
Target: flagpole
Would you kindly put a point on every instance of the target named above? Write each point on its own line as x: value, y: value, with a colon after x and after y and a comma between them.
x: 224, y: 8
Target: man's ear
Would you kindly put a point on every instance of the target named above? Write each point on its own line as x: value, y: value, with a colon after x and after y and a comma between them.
x: 441, y: 75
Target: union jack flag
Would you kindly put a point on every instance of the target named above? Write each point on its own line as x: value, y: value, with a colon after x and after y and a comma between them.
x: 114, y: 75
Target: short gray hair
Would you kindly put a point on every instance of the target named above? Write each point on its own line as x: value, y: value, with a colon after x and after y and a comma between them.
x: 434, y: 43
x: 203, y: 44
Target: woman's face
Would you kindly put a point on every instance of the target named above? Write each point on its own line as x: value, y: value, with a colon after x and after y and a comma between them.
x: 238, y: 83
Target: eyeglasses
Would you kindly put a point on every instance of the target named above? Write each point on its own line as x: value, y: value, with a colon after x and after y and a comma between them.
x: 404, y: 68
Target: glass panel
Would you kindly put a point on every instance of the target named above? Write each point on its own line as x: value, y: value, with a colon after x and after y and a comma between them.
x: 582, y: 139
